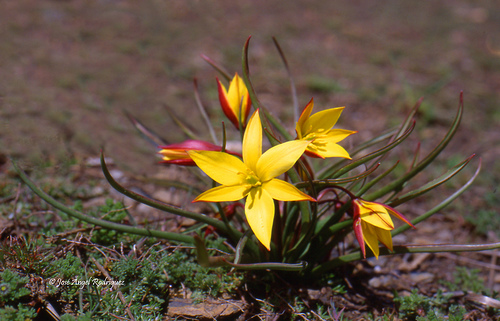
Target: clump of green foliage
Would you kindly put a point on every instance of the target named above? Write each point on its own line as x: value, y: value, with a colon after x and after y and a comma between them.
x: 12, y: 290
x: 19, y: 313
x: 422, y: 308
x: 465, y: 279
x: 486, y: 219
x: 13, y: 286
x: 113, y: 211
x: 29, y: 255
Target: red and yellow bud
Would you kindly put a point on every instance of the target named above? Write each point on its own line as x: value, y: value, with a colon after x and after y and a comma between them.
x: 235, y: 101
x: 178, y: 153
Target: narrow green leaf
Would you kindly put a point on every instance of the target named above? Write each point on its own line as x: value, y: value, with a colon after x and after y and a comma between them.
x: 293, y: 89
x: 99, y: 222
x: 430, y: 185
x: 398, y: 183
x: 327, y: 171
x: 375, y: 180
x: 270, y: 266
x: 203, y: 112
x: 163, y: 206
x: 391, y: 135
x: 185, y: 128
x: 265, y: 115
x: 241, y: 246
x: 151, y: 136
x: 204, y: 259
x: 324, y: 183
x: 402, y: 249
x: 364, y: 159
x: 220, y: 69
x: 440, y: 206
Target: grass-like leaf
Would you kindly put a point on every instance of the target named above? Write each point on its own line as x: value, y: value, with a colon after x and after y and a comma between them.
x: 147, y: 133
x: 430, y: 185
x: 99, y: 222
x: 164, y: 206
x: 398, y: 183
x: 367, y: 158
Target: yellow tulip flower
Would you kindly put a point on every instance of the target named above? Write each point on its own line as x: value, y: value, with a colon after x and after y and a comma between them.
x: 253, y: 178
x: 372, y: 223
x: 318, y: 129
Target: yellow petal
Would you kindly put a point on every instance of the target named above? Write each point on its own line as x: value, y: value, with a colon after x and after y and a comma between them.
x: 283, y: 191
x: 398, y: 215
x: 222, y: 167
x: 238, y: 100
x: 336, y: 135
x: 252, y: 141
x: 385, y: 238
x: 259, y: 210
x: 235, y: 93
x: 280, y: 158
x: 376, y: 215
x: 171, y: 154
x: 299, y: 128
x: 224, y: 194
x: 370, y: 237
x: 324, y: 148
x: 322, y: 121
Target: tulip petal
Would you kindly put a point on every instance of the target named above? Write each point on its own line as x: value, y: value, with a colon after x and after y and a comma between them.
x: 375, y: 214
x: 299, y: 128
x: 171, y: 154
x: 336, y: 135
x: 222, y: 167
x: 358, y: 231
x: 380, y: 220
x: 259, y: 210
x: 235, y: 93
x: 252, y: 141
x: 385, y: 238
x: 280, y: 158
x: 226, y: 104
x: 370, y: 237
x: 322, y: 121
x: 245, y: 107
x: 398, y: 215
x: 224, y: 194
x: 323, y: 148
x: 283, y: 191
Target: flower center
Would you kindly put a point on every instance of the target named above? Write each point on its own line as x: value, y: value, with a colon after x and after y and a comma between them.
x: 252, y: 179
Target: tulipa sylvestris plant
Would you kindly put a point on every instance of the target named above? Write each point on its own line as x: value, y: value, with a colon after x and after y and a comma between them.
x: 303, y: 196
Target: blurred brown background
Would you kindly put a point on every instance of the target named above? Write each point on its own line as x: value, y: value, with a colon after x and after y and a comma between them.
x: 70, y: 68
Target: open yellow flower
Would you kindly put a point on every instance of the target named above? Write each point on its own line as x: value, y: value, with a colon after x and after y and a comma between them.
x: 235, y: 102
x: 318, y: 128
x: 253, y: 178
x: 372, y: 223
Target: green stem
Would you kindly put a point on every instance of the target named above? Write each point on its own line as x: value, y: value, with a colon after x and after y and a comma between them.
x: 440, y: 206
x: 436, y: 248
x: 95, y: 221
x: 270, y: 266
x: 157, y: 204
x: 253, y: 95
x: 423, y: 164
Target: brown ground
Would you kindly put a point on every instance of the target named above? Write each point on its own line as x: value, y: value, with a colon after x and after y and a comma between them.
x: 71, y: 68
